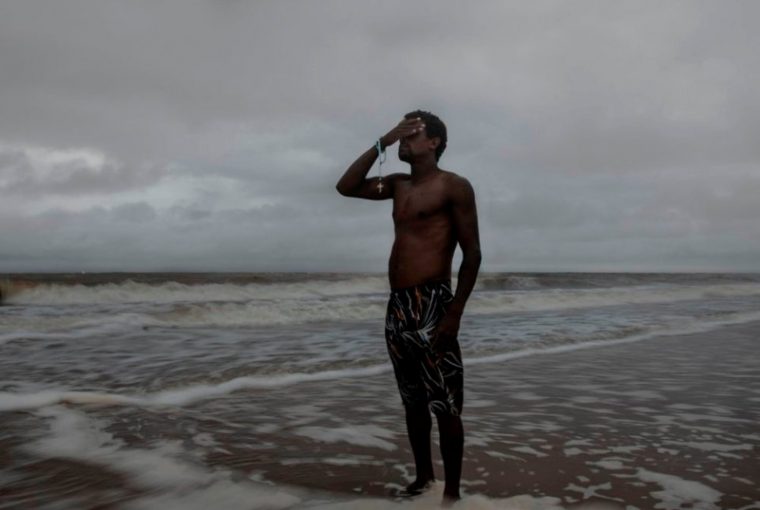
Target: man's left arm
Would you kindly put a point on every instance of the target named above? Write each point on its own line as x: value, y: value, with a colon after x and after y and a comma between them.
x: 465, y: 218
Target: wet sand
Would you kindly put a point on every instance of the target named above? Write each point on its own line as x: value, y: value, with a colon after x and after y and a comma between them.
x: 668, y: 422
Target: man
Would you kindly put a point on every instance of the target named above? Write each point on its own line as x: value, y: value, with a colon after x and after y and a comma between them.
x: 433, y: 210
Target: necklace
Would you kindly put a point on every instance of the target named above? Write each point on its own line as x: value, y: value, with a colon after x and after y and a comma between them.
x: 381, y: 155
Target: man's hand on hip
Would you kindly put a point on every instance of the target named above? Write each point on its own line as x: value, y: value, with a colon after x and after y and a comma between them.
x: 445, y: 334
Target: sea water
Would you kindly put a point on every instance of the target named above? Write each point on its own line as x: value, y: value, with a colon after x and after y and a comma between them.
x: 142, y: 374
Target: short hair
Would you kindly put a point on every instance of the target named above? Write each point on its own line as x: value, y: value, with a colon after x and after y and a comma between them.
x: 434, y: 127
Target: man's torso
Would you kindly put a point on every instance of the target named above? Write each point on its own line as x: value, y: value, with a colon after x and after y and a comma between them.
x: 425, y: 235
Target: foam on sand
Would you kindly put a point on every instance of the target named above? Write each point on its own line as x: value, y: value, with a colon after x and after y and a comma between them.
x: 177, y: 397
x: 20, y: 401
x: 173, y: 480
x: 680, y: 493
x: 361, y: 435
x: 432, y: 500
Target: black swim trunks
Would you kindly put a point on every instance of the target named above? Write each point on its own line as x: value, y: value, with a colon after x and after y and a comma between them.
x: 423, y: 377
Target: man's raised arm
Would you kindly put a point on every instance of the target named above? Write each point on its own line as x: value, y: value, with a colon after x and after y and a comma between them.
x: 354, y: 182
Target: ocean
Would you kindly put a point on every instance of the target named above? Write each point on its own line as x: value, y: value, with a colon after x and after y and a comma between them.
x: 269, y: 390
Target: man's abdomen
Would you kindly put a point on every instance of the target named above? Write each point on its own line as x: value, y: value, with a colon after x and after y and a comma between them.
x: 414, y: 261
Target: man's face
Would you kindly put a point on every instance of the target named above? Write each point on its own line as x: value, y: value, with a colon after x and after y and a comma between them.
x: 411, y: 147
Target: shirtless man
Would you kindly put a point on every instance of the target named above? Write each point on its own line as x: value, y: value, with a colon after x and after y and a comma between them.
x: 433, y: 210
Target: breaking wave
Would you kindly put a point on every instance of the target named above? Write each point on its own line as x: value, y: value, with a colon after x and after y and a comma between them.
x: 177, y: 304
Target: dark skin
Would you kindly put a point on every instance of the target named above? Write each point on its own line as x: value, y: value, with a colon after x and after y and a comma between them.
x: 433, y: 211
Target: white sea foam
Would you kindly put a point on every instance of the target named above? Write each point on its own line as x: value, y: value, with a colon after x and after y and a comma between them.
x: 432, y: 501
x: 591, y: 491
x: 528, y: 450
x: 177, y: 397
x: 608, y: 463
x: 272, y: 312
x: 558, y: 299
x: 711, y: 447
x: 173, y: 481
x: 171, y: 292
x: 66, y: 328
x: 361, y: 435
x: 680, y: 493
x: 183, y: 396
x: 696, y: 327
x: 19, y: 401
x: 176, y: 478
x: 344, y: 460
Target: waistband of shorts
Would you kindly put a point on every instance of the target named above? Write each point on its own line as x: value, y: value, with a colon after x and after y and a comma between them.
x: 423, y: 287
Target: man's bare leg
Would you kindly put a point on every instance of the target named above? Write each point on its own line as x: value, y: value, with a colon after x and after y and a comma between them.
x: 418, y: 426
x: 452, y: 446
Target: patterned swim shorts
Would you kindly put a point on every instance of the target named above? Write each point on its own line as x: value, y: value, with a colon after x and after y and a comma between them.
x: 423, y: 377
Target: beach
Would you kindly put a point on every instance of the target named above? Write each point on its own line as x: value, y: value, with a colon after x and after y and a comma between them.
x: 665, y: 423
x: 565, y: 406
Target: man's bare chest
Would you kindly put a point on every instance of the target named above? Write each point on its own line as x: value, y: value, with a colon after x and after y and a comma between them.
x: 412, y: 205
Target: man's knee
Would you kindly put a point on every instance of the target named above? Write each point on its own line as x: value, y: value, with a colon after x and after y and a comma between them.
x: 448, y: 420
x: 417, y: 408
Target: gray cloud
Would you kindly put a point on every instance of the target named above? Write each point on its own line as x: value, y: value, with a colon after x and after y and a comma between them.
x: 209, y: 135
x: 34, y: 171
x: 137, y: 212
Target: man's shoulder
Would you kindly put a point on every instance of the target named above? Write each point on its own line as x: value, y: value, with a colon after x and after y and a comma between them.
x: 452, y: 177
x: 455, y: 181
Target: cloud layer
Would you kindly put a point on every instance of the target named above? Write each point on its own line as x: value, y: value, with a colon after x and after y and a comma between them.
x: 209, y: 135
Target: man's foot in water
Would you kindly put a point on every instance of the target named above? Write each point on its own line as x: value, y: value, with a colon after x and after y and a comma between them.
x: 449, y: 499
x: 418, y: 486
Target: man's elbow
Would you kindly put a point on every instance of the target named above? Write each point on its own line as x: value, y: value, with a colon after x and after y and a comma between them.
x: 342, y: 190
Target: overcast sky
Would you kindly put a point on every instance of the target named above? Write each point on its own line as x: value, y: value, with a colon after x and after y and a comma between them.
x: 209, y: 135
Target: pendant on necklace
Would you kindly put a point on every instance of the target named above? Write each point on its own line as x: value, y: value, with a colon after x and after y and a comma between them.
x: 380, y: 186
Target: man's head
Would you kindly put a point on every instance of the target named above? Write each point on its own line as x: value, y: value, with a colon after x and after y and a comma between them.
x: 433, y: 139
